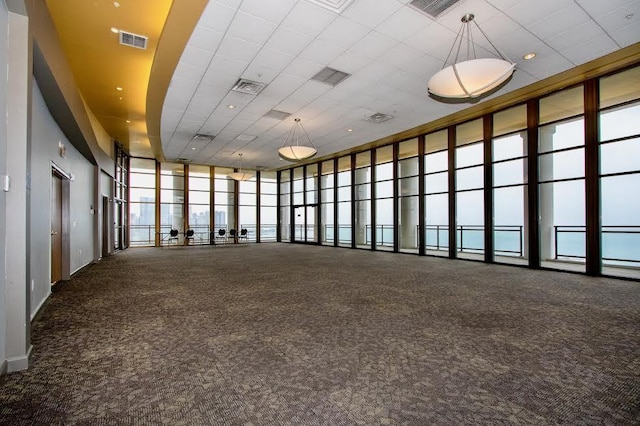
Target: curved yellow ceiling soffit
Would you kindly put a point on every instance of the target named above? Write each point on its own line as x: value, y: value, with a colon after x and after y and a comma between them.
x: 113, y: 79
x: 180, y: 23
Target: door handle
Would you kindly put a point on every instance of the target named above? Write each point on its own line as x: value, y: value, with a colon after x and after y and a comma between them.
x: 54, y: 233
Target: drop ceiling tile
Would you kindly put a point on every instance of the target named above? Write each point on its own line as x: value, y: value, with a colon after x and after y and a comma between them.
x: 282, y: 86
x: 288, y: 41
x: 343, y: 32
x: 557, y: 22
x: 545, y: 64
x: 237, y: 48
x: 272, y: 10
x: 206, y: 38
x: 304, y: 68
x: 590, y: 50
x: 194, y: 56
x: 363, y: 13
x: 224, y: 68
x: 527, y: 12
x: 481, y: 9
x: 617, y: 19
x: 575, y: 36
x: 373, y: 45
x: 272, y: 58
x: 349, y: 62
x: 251, y: 28
x: 596, y: 8
x: 434, y: 40
x: 627, y: 35
x: 503, y: 4
x: 322, y: 52
x: 217, y: 16
x: 401, y: 57
x: 308, y: 18
x: 404, y: 23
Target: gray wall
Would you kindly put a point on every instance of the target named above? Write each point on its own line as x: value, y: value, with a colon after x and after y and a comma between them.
x: 45, y: 137
x: 3, y: 172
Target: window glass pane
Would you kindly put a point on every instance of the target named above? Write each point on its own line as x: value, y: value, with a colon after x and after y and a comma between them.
x: 510, y: 146
x: 436, y: 162
x: 247, y: 199
x: 142, y: 195
x: 508, y: 219
x: 344, y: 193
x: 268, y: 200
x: 408, y: 149
x: 508, y: 173
x: 384, y: 171
x: 384, y: 224
x: 617, y: 157
x: 437, y: 222
x: 327, y: 167
x: 142, y: 165
x: 198, y: 184
x: 408, y: 167
x: 437, y: 141
x: 469, y: 132
x: 470, y: 178
x: 408, y: 186
x: 620, y: 122
x: 344, y: 178
x: 621, y: 87
x: 363, y: 159
x: 510, y: 120
x: 384, y: 154
x: 384, y: 189
x: 470, y: 155
x: 437, y: 182
x: 408, y: 219
x: 562, y: 165
x: 248, y: 186
x: 143, y: 180
x: 171, y: 181
x: 620, y: 221
x: 171, y: 196
x: 363, y: 175
x: 363, y: 191
x: 561, y: 135
x: 470, y: 221
x: 564, y: 104
x: 298, y: 173
x: 327, y: 195
x: 197, y: 197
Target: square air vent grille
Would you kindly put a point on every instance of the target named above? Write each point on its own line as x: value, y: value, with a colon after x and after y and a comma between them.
x: 203, y: 136
x: 378, y: 117
x: 133, y: 40
x: 433, y: 8
x: 247, y: 86
x: 278, y: 115
x: 337, y: 6
x: 330, y: 76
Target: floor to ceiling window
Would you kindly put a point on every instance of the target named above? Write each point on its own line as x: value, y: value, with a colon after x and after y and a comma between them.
x: 509, y: 162
x: 384, y: 220
x: 142, y: 202
x: 121, y: 197
x: 469, y: 160
x: 327, y: 203
x: 224, y: 200
x: 311, y: 203
x: 268, y: 206
x: 285, y: 205
x: 408, y: 195
x: 436, y: 189
x: 561, y: 165
x: 362, y: 200
x: 199, y: 212
x: 248, y: 207
x: 619, y: 119
x: 344, y: 201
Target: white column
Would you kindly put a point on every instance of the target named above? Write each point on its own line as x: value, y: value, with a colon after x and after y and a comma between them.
x: 547, y: 238
x: 18, y: 116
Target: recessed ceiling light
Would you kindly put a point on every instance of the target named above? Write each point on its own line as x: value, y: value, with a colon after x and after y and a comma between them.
x: 629, y: 16
x: 349, y: 130
x: 116, y: 4
x: 119, y: 89
x: 193, y: 148
x: 120, y: 98
x: 231, y: 106
x: 128, y: 121
x: 529, y: 56
x: 115, y: 30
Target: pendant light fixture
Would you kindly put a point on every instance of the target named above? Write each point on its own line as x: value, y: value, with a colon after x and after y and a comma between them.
x: 470, y: 77
x: 293, y: 149
x: 240, y: 175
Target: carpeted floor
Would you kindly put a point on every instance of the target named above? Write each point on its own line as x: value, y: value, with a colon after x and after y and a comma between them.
x: 281, y: 334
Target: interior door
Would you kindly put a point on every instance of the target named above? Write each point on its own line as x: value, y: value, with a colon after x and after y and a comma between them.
x: 299, y: 223
x: 56, y: 228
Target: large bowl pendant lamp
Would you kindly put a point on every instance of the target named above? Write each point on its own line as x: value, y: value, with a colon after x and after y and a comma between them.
x: 292, y: 149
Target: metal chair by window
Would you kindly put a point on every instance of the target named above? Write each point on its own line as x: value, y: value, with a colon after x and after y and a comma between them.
x: 233, y: 235
x: 188, y: 236
x: 221, y: 236
x: 243, y: 235
x: 173, y: 236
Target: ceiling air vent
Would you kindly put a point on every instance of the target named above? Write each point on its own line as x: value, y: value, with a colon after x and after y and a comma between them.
x: 133, y: 40
x: 337, y: 6
x: 330, y: 76
x: 183, y: 160
x: 202, y: 136
x: 247, y: 86
x: 378, y: 117
x: 278, y: 115
x: 433, y: 8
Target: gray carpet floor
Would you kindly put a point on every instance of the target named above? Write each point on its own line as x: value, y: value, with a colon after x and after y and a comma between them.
x: 282, y: 334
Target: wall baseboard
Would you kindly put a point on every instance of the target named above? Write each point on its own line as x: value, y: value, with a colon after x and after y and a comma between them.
x: 19, y: 363
x: 3, y: 368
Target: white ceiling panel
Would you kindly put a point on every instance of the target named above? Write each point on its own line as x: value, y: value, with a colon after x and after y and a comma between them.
x: 390, y: 49
x: 373, y: 45
x: 362, y: 12
x: 272, y: 10
x: 308, y: 18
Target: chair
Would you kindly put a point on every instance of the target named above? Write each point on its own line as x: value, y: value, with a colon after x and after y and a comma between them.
x: 233, y: 235
x: 222, y: 236
x: 188, y: 235
x: 173, y: 236
x: 243, y: 235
